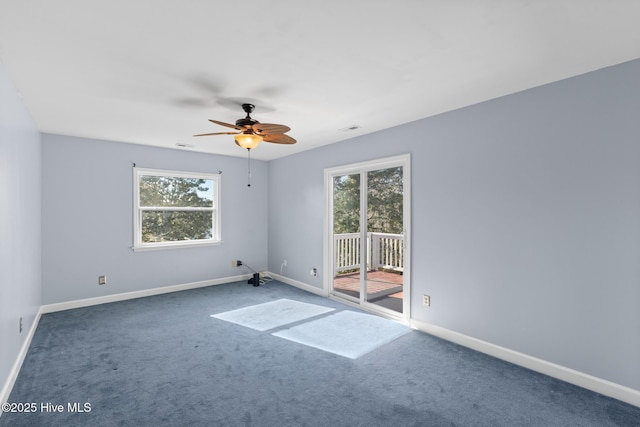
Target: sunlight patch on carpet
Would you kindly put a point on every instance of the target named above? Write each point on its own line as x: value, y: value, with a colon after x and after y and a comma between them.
x: 347, y: 333
x: 272, y: 314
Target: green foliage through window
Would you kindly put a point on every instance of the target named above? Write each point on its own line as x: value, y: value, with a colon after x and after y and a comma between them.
x: 173, y: 207
x: 384, y: 202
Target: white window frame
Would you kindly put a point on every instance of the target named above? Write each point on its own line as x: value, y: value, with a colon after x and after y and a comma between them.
x: 215, y: 240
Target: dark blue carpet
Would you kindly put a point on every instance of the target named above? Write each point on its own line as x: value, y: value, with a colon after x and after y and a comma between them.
x: 163, y: 360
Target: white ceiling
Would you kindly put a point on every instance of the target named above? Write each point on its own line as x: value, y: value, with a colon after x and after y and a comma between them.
x: 153, y: 71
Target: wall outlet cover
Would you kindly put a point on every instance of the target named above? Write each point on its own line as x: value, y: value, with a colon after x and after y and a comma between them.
x: 426, y: 300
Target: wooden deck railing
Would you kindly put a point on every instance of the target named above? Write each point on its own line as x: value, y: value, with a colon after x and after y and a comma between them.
x: 385, y: 250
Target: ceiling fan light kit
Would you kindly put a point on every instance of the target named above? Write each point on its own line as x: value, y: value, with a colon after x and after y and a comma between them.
x: 251, y: 133
x: 248, y: 140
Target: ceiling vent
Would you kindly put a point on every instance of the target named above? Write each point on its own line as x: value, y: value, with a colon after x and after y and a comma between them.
x: 350, y: 128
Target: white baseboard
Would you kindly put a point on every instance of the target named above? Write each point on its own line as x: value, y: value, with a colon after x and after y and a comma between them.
x: 15, y: 369
x: 50, y: 308
x: 301, y: 285
x: 599, y: 385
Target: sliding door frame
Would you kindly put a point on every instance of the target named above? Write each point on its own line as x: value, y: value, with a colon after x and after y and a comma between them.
x: 403, y: 161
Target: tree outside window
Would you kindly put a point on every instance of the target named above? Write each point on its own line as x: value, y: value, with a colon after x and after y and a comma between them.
x: 176, y: 208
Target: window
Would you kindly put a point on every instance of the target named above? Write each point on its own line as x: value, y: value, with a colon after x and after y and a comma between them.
x: 175, y: 209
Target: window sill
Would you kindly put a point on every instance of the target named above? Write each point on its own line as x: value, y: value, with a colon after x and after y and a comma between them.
x: 174, y: 245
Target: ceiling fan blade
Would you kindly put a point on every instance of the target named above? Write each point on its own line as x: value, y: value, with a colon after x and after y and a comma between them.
x: 278, y: 139
x: 270, y: 128
x: 218, y: 133
x: 229, y: 125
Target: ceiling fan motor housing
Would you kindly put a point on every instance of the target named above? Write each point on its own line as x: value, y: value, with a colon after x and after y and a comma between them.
x: 247, y: 121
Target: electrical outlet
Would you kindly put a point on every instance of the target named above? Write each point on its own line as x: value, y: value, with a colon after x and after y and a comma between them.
x: 314, y: 272
x: 236, y: 263
x: 21, y: 325
x: 426, y: 300
x: 102, y: 280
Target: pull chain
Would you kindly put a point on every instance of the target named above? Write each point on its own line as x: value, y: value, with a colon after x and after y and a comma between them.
x: 249, y: 167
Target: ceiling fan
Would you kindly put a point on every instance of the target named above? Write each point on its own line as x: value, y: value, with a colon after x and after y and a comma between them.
x: 251, y: 132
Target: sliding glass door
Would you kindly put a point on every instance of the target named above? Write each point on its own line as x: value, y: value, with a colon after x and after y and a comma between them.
x: 346, y: 236
x: 385, y: 238
x: 367, y: 234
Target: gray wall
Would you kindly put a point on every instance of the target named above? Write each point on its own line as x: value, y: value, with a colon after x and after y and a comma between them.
x: 87, y: 207
x: 19, y: 223
x: 525, y: 219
